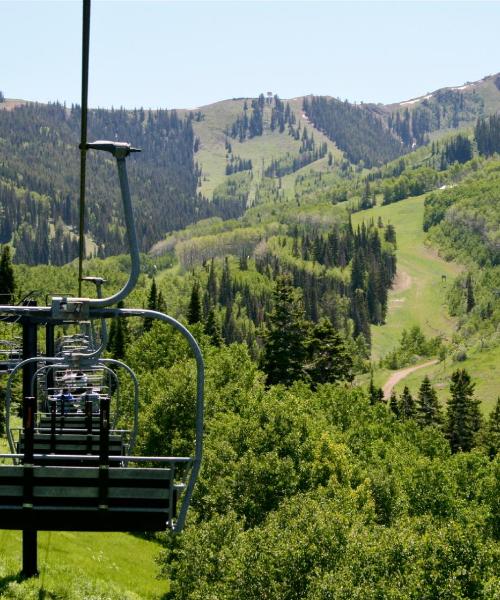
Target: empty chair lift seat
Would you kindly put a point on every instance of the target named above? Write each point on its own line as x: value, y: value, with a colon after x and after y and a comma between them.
x: 86, y: 498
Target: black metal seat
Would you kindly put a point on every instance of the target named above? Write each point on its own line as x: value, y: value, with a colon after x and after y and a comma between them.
x: 54, y: 498
x: 72, y: 443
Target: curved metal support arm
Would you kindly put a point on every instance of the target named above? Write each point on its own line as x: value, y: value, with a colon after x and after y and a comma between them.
x: 200, y: 384
x: 8, y: 394
x: 44, y: 368
x: 117, y: 381
x: 131, y: 233
x: 112, y: 361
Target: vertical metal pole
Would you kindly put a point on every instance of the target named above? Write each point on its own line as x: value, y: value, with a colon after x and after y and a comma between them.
x: 83, y: 138
x: 29, y: 350
x: 49, y: 351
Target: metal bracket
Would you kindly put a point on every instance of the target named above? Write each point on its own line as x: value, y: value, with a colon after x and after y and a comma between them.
x: 70, y: 309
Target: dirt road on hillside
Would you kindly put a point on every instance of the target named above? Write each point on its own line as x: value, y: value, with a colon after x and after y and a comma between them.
x: 397, y: 376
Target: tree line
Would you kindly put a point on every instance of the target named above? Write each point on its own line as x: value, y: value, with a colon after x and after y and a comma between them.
x: 39, y: 180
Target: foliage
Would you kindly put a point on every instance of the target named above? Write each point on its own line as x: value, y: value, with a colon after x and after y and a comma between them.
x: 7, y: 279
x: 38, y: 180
x: 428, y: 409
x: 320, y: 495
x: 463, y: 417
x: 465, y: 220
x: 413, y: 345
x: 284, y: 346
x: 356, y: 130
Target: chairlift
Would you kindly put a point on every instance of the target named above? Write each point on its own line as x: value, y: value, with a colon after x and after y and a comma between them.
x: 76, y: 471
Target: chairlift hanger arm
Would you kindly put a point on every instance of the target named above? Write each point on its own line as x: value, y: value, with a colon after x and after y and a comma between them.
x: 120, y: 151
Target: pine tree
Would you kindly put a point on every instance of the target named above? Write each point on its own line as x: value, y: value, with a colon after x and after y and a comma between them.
x: 152, y: 304
x: 470, y: 293
x: 212, y: 284
x: 212, y: 328
x: 243, y: 263
x: 328, y: 358
x: 407, y: 408
x: 428, y: 410
x: 375, y: 394
x: 491, y: 433
x: 463, y: 417
x: 118, y: 336
x: 285, y: 343
x: 359, y: 312
x: 229, y: 329
x: 161, y: 305
x: 7, y: 281
x: 225, y: 291
x: 394, y: 405
x: 194, y: 308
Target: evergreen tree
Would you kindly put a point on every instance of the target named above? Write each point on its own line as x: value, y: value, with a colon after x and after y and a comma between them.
x: 285, y: 343
x: 243, y: 263
x: 161, y: 305
x: 152, y: 304
x: 212, y: 284
x: 393, y: 404
x: 491, y: 433
x: 225, y: 291
x: 2, y: 412
x: 428, y: 410
x: 463, y: 417
x: 194, y: 308
x: 359, y: 312
x: 212, y: 328
x: 7, y: 281
x: 376, y: 394
x: 118, y: 336
x: 407, y: 408
x: 329, y: 359
x: 470, y: 293
x: 390, y: 234
x: 229, y: 328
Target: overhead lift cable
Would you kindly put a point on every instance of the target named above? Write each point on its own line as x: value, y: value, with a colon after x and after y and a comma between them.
x: 83, y: 138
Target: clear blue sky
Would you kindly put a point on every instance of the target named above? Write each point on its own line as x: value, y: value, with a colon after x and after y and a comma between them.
x: 186, y: 54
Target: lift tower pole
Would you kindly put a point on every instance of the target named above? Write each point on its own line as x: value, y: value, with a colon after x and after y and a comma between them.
x: 30, y: 330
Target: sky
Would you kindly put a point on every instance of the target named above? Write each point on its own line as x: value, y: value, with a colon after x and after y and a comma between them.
x: 188, y: 54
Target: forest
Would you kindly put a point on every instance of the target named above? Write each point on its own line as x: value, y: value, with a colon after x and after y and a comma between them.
x: 38, y: 204
x: 314, y: 483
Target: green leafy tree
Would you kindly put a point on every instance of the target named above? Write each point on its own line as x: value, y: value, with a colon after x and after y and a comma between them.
x: 285, y: 342
x: 7, y: 281
x: 463, y: 417
x: 428, y: 410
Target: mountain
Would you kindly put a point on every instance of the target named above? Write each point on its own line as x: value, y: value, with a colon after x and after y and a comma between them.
x: 217, y: 160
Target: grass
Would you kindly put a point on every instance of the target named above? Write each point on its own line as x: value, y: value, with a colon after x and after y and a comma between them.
x: 422, y: 301
x: 118, y: 565
x: 260, y: 150
x: 483, y: 368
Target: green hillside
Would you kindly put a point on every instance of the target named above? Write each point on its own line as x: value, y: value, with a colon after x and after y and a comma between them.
x: 114, y: 566
x: 261, y: 150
